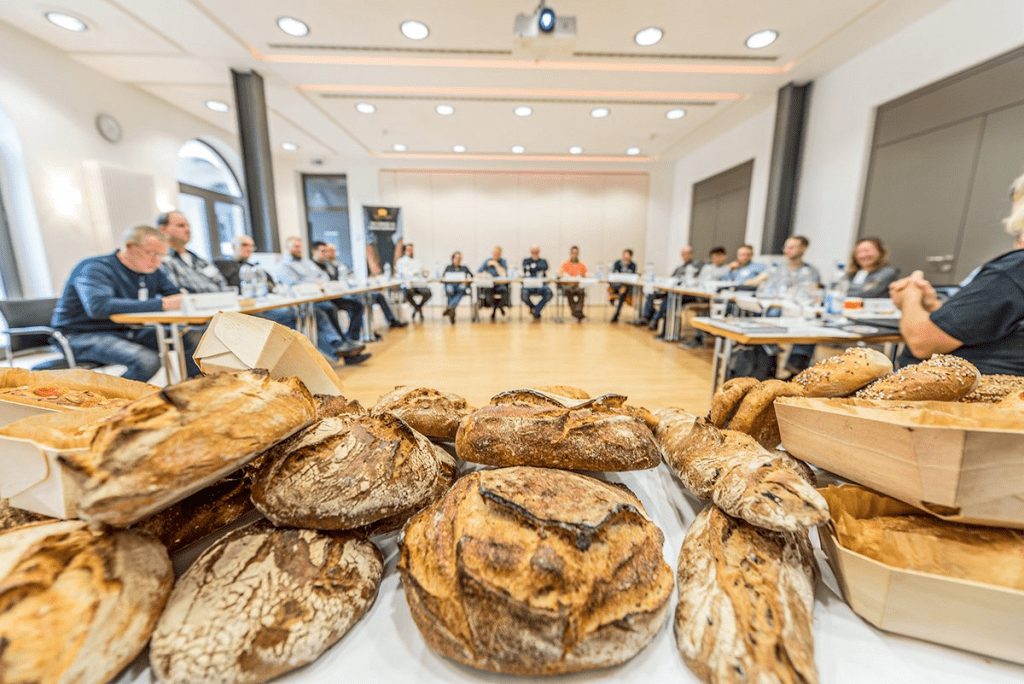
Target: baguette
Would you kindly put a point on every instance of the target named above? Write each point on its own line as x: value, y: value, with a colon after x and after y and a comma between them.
x: 943, y: 377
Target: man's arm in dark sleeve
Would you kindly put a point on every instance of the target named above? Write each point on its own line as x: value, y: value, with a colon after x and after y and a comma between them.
x: 95, y: 286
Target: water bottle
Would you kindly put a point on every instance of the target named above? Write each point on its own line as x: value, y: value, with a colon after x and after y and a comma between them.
x: 245, y: 281
x: 691, y: 275
x: 261, y: 288
x: 387, y: 271
x: 836, y: 294
x: 769, y: 287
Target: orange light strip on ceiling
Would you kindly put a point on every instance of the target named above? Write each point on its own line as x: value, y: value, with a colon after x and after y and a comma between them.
x: 515, y: 157
x: 519, y: 92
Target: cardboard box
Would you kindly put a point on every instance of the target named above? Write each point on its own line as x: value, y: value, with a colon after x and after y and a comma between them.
x: 974, y: 616
x: 110, y: 386
x: 236, y: 341
x: 959, y: 462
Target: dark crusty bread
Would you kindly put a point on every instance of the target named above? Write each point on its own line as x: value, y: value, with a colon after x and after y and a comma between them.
x: 11, y: 517
x: 77, y: 605
x: 525, y: 427
x: 746, y: 602
x: 843, y: 374
x: 943, y: 377
x: 771, y: 490
x: 563, y: 391
x: 727, y: 399
x: 534, y: 571
x: 756, y: 413
x: 328, y: 405
x: 261, y: 602
x: 428, y: 411
x: 168, y: 445
x: 351, y: 471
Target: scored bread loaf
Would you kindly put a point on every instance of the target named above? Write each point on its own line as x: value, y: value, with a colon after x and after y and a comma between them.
x: 755, y: 414
x: 526, y: 427
x: 328, y: 405
x: 843, y: 374
x: 170, y: 444
x: 77, y: 605
x: 263, y: 601
x: 746, y: 602
x: 770, y: 490
x: 351, y: 471
x: 535, y: 571
x: 727, y: 399
x: 943, y: 377
x: 563, y: 391
x: 430, y: 412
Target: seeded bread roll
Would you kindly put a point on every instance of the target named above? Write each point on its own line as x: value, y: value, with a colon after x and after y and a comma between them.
x: 430, y: 412
x: 77, y: 605
x: 1014, y: 401
x: 727, y: 399
x: 525, y: 427
x: 261, y: 602
x: 943, y: 377
x: 994, y: 388
x: 351, y: 471
x: 756, y: 413
x: 534, y: 571
x: 843, y: 374
x: 746, y: 602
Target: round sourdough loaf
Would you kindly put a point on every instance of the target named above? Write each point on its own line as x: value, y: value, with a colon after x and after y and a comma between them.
x: 430, y: 412
x: 943, y: 377
x: 263, y: 601
x: 77, y: 605
x: 843, y: 374
x: 534, y: 571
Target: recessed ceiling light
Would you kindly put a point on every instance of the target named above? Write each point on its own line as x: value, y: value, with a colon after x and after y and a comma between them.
x: 444, y: 110
x: 399, y: 147
x: 292, y: 26
x: 633, y: 151
x: 762, y: 39
x: 600, y: 112
x: 648, y: 36
x: 575, y: 149
x: 365, y: 108
x: 291, y: 147
x: 675, y: 114
x: 458, y: 148
x: 217, y: 106
x: 523, y: 110
x: 518, y: 149
x: 66, y: 21
x: 415, y: 30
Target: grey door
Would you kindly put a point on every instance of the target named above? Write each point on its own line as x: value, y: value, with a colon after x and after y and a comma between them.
x: 719, y: 211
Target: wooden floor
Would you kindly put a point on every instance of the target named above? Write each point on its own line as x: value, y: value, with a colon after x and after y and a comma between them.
x: 478, y: 360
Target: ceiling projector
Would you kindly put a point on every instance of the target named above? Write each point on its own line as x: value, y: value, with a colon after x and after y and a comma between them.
x: 544, y: 34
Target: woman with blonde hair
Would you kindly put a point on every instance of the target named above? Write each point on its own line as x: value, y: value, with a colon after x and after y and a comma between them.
x: 868, y: 271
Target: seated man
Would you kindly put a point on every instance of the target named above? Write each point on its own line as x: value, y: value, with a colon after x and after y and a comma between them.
x: 536, y: 267
x: 325, y: 256
x: 623, y: 265
x: 716, y: 270
x: 744, y: 268
x: 650, y: 317
x: 454, y: 291
x: 126, y: 281
x: 408, y: 267
x: 497, y: 296
x: 574, y: 294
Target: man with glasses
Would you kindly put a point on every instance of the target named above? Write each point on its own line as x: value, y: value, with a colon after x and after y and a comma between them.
x: 126, y: 281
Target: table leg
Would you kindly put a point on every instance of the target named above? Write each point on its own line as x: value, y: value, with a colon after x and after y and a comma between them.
x: 720, y: 362
x: 366, y: 334
x: 179, y: 349
x: 672, y: 313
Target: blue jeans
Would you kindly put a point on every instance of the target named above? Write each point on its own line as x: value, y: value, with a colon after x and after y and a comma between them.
x: 455, y: 294
x: 135, y: 349
x: 543, y: 292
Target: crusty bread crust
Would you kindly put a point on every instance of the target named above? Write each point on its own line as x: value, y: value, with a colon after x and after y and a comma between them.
x: 428, y: 411
x: 843, y: 374
x: 727, y: 399
x: 943, y: 377
x: 756, y: 413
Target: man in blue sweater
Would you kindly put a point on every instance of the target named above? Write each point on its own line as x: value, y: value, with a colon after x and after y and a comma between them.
x: 126, y: 281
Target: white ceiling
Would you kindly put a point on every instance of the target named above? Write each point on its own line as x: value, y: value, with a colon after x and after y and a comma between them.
x: 182, y: 51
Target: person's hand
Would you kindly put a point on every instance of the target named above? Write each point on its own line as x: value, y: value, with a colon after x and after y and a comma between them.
x: 172, y: 302
x: 734, y: 265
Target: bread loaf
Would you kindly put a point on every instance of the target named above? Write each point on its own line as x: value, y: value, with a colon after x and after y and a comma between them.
x: 526, y: 427
x: 941, y: 378
x: 261, y: 602
x: 77, y: 605
x: 771, y: 490
x: 534, y: 571
x: 746, y: 602
x: 328, y: 405
x: 843, y: 374
x: 168, y: 445
x: 563, y: 391
x: 1014, y: 401
x: 351, y: 471
x: 11, y: 517
x: 755, y: 415
x: 993, y: 388
x: 428, y: 411
x: 727, y: 399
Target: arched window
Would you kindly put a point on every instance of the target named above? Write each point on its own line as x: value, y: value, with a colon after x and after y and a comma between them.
x: 211, y: 198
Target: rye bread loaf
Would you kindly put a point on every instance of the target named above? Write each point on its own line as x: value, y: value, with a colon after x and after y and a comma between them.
x: 771, y: 490
x: 943, y: 377
x: 77, y: 605
x: 755, y: 415
x: 261, y: 602
x: 746, y: 602
x: 430, y: 412
x: 843, y: 374
x: 727, y: 399
x: 351, y: 471
x: 170, y: 444
x: 535, y: 571
x: 526, y: 427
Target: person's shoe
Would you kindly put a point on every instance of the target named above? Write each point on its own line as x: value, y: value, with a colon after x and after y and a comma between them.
x: 377, y: 337
x: 397, y: 324
x: 357, y: 359
x: 641, y: 322
x: 692, y: 344
x: 653, y: 324
x: 536, y: 315
x: 615, y: 318
x: 348, y: 348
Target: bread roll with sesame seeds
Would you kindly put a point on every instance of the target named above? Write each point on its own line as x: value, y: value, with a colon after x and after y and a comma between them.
x: 943, y: 377
x: 843, y: 374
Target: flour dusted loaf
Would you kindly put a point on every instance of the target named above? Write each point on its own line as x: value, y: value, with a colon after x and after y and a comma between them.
x: 771, y: 490
x: 534, y: 571
x: 843, y: 374
x: 430, y: 412
x: 163, y: 447
x: 528, y: 427
x: 746, y: 602
x: 261, y: 602
x: 351, y: 471
x: 77, y: 605
x: 943, y: 377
